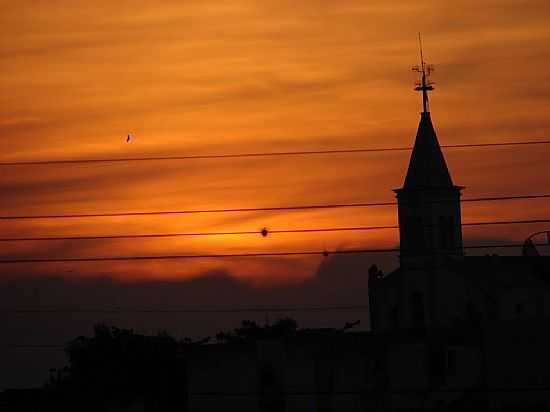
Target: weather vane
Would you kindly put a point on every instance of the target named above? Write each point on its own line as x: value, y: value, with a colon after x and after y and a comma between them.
x: 424, y: 85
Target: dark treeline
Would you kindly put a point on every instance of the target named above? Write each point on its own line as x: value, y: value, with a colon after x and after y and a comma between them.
x: 115, y: 368
x: 118, y: 369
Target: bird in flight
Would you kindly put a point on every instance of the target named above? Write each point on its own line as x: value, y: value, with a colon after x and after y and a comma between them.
x: 128, y: 138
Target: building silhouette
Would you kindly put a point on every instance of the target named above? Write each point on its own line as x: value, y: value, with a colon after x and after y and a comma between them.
x: 448, y: 331
x: 436, y: 285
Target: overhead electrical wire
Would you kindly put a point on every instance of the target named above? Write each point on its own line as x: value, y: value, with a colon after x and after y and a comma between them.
x: 234, y: 255
x: 31, y: 346
x: 273, y: 309
x: 264, y: 232
x: 258, y: 154
x: 254, y: 209
x: 231, y: 255
x: 197, y: 256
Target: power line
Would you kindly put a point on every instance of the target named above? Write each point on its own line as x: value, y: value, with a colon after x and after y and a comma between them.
x: 198, y: 256
x: 250, y: 232
x: 189, y: 310
x: 258, y: 154
x: 161, y: 235
x: 254, y: 209
x: 231, y: 255
x: 196, y: 211
x: 505, y: 222
x: 31, y: 346
x: 411, y: 390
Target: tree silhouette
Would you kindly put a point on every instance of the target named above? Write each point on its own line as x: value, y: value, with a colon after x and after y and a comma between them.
x: 251, y: 331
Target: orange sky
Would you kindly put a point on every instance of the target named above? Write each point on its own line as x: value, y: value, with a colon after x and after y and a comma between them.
x: 246, y: 76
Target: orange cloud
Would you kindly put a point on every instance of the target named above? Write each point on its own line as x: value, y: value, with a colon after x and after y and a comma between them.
x: 241, y: 76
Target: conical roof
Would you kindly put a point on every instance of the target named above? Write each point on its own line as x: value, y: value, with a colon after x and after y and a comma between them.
x: 427, y: 167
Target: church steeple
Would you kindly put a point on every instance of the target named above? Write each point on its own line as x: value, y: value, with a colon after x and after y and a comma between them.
x: 427, y: 167
x: 428, y: 202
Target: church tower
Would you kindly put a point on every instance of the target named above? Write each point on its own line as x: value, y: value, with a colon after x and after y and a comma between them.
x: 429, y: 202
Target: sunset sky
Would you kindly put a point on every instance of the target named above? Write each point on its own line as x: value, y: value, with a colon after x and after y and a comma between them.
x: 213, y: 77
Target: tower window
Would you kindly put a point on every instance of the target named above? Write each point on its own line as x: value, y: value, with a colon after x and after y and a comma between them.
x: 437, y: 363
x: 446, y: 232
x: 415, y: 234
x: 451, y: 362
x: 519, y: 308
x: 417, y: 310
x: 394, y: 317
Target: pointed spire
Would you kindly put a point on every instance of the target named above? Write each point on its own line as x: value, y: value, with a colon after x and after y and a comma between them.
x: 427, y: 167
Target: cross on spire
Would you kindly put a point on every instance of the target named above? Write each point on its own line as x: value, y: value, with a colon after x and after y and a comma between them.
x: 424, y: 85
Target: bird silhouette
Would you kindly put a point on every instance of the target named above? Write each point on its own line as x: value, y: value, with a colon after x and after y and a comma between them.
x: 128, y: 138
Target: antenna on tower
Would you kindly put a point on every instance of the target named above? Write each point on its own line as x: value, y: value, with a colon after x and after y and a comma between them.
x: 425, y: 70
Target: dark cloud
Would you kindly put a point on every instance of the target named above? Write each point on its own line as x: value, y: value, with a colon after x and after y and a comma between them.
x: 340, y: 280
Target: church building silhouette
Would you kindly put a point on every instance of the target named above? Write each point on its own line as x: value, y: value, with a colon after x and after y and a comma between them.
x: 447, y: 331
